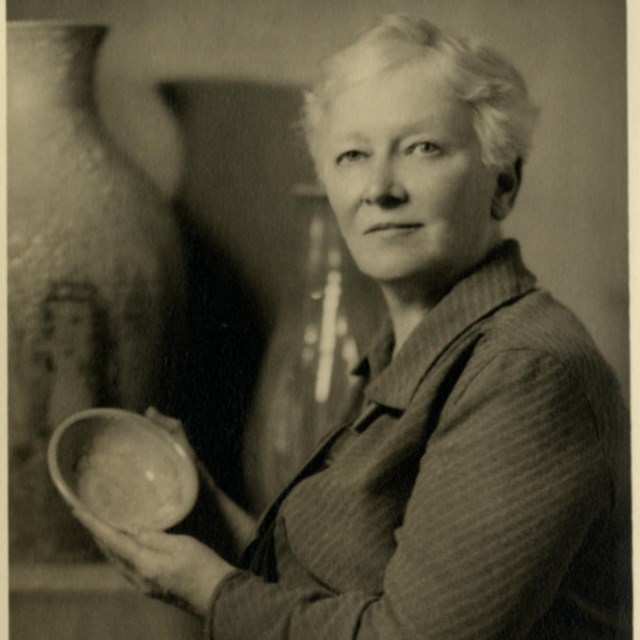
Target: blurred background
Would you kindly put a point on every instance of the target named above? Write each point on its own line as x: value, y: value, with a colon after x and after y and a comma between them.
x: 204, y: 96
x: 253, y: 55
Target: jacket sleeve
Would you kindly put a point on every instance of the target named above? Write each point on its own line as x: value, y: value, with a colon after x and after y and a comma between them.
x: 511, y: 482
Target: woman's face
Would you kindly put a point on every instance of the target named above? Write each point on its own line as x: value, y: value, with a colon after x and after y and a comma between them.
x: 402, y: 168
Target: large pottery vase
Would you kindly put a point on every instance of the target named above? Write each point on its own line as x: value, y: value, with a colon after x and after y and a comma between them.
x: 94, y: 274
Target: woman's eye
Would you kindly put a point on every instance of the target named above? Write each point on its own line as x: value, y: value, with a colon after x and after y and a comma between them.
x: 353, y: 155
x: 424, y: 148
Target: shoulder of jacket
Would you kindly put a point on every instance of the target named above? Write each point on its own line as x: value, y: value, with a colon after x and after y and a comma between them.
x: 537, y: 330
x: 538, y: 325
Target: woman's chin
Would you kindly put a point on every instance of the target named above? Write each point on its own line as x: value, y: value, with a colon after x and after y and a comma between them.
x: 428, y: 280
x: 387, y: 270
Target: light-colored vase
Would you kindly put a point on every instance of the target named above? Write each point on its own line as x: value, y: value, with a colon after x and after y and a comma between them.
x: 95, y: 272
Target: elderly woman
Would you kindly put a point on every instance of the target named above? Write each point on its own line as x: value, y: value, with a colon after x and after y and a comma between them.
x: 480, y: 488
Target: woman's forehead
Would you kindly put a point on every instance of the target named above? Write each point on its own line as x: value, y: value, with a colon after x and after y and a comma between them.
x: 419, y: 93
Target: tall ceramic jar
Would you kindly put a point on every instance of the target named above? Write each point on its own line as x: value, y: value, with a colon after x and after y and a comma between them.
x: 94, y: 277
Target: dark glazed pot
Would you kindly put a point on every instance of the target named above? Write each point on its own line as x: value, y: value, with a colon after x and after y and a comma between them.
x: 95, y: 272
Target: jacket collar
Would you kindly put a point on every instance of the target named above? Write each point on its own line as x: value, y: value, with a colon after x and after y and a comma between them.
x: 497, y: 280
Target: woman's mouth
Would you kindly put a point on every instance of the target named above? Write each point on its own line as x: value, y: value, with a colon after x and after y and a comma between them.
x: 393, y: 228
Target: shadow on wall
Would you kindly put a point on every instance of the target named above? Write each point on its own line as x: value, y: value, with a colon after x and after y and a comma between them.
x: 235, y: 209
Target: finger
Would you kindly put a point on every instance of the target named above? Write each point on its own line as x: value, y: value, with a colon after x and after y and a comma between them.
x: 131, y: 575
x: 138, y: 582
x: 120, y: 543
x: 121, y: 564
x: 94, y: 524
x: 112, y: 557
x: 125, y: 568
x: 173, y: 425
x: 154, y: 539
x: 174, y: 600
x: 160, y: 541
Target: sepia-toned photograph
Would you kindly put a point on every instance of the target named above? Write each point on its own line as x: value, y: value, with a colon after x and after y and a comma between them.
x: 318, y: 320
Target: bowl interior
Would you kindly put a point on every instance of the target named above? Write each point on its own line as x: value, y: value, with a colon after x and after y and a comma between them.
x: 124, y: 469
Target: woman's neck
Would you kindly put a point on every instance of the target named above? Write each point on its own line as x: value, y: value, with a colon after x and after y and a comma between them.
x: 406, y: 314
x: 409, y: 301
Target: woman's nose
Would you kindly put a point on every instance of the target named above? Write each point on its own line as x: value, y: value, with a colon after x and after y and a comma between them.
x: 384, y: 188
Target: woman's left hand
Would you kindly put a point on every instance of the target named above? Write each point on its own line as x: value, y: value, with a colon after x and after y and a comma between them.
x: 176, y: 568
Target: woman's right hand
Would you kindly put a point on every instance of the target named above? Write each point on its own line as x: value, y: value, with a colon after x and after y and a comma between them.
x: 175, y: 568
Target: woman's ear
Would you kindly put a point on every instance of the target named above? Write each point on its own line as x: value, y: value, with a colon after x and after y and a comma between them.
x: 508, y: 184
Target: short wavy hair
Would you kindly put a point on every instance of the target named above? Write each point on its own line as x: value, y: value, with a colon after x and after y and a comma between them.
x: 503, y: 115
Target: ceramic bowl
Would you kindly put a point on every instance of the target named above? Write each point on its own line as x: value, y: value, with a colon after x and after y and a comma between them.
x: 123, y: 468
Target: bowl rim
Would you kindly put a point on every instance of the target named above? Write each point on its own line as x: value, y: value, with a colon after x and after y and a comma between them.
x: 141, y: 421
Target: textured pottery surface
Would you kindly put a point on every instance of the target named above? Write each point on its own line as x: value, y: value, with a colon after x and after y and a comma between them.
x: 94, y: 272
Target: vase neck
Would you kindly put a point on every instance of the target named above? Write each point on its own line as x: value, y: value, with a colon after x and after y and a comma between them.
x: 51, y: 66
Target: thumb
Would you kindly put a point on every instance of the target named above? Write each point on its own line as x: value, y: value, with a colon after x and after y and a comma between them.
x: 156, y: 540
x: 170, y: 424
x: 173, y: 427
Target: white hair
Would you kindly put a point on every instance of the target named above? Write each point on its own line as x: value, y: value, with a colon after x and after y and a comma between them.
x: 503, y: 115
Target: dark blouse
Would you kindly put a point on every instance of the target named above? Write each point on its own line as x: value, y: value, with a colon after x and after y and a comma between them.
x: 482, y: 492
